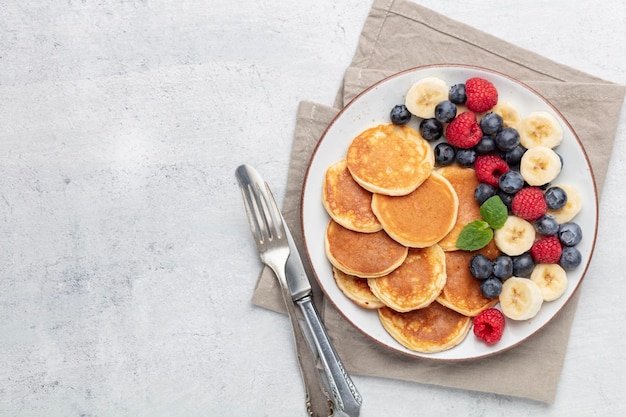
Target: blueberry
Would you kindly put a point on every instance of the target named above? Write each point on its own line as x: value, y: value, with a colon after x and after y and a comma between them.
x: 444, y: 154
x: 556, y: 198
x: 481, y: 267
x: 445, y: 111
x: 507, y: 139
x: 431, y: 129
x: 503, y: 267
x: 570, y: 234
x: 506, y: 198
x: 491, y: 287
x: 514, y: 156
x: 546, y: 225
x: 483, y: 191
x: 511, y: 182
x: 523, y: 265
x: 570, y: 258
x: 466, y: 157
x: 486, y: 145
x: 457, y: 94
x: 400, y: 115
x: 491, y: 123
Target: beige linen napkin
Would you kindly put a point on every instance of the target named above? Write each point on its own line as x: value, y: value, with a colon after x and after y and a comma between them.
x: 399, y: 35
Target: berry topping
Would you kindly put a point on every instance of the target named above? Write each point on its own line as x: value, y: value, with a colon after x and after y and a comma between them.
x: 400, y: 115
x: 570, y: 258
x: 507, y: 139
x: 489, y: 168
x: 457, y: 94
x: 489, y: 325
x: 445, y: 111
x: 511, y: 182
x: 481, y: 267
x: 546, y: 225
x: 556, y: 198
x: 466, y: 157
x: 444, y: 154
x: 529, y: 203
x: 570, y: 234
x: 491, y: 123
x: 523, y: 265
x: 491, y: 287
x: 431, y: 129
x: 503, y: 267
x: 486, y: 145
x: 481, y: 94
x: 546, y: 250
x: 483, y: 191
x: 464, y: 131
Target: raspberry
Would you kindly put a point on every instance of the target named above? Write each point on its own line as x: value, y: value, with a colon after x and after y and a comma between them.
x: 546, y: 250
x: 489, y: 325
x: 481, y: 94
x: 489, y: 168
x: 464, y: 131
x: 529, y: 204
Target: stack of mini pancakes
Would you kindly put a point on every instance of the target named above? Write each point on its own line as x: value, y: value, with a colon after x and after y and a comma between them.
x: 395, y: 220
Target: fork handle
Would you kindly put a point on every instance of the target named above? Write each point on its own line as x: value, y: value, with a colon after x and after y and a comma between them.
x: 346, y: 398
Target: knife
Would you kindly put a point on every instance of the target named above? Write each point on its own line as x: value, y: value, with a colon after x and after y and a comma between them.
x: 344, y: 395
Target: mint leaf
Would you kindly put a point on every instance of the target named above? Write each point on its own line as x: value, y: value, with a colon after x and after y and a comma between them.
x: 475, y: 235
x: 494, y: 212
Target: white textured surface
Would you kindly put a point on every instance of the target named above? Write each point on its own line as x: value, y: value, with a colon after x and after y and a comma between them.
x: 127, y: 265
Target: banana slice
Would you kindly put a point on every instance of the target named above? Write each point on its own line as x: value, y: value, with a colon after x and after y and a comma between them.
x: 508, y: 112
x: 540, y: 165
x: 540, y: 128
x: 515, y: 237
x: 551, y: 280
x: 520, y: 299
x: 571, y: 208
x: 424, y: 95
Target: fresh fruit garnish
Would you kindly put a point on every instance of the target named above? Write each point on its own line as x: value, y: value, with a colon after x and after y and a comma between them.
x: 515, y: 237
x: 570, y: 234
x: 464, y: 131
x: 507, y: 139
x: 494, y: 212
x: 546, y: 225
x: 457, y: 94
x: 481, y: 94
x: 445, y: 111
x: 540, y: 165
x: 523, y: 265
x: 431, y: 129
x: 570, y: 258
x: 489, y: 325
x: 520, y: 299
x: 540, y: 129
x: 556, y: 198
x: 444, y: 154
x: 491, y: 287
x: 491, y: 123
x: 511, y: 182
x: 489, y: 168
x: 400, y: 115
x: 481, y: 267
x: 424, y: 95
x: 475, y: 235
x: 572, y: 206
x: 546, y: 250
x: 503, y: 267
x: 551, y: 280
x: 529, y: 203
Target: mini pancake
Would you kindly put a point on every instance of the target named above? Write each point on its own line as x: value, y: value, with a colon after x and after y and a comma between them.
x: 347, y: 202
x: 462, y: 291
x: 421, y: 218
x: 366, y: 255
x: 464, y: 182
x: 390, y: 159
x: 414, y: 284
x: 357, y: 290
x: 428, y: 330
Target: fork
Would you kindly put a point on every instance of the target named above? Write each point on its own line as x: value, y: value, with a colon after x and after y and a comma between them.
x: 268, y: 231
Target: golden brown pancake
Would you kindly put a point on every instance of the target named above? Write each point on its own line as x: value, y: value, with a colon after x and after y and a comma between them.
x: 357, y: 290
x: 462, y: 291
x: 430, y: 329
x: 414, y: 284
x: 421, y: 218
x: 390, y: 159
x: 464, y: 182
x: 347, y: 202
x: 366, y: 255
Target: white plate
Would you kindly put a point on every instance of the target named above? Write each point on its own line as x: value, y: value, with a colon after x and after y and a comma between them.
x: 372, y: 107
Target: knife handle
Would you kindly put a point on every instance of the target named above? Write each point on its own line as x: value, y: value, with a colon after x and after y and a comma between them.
x: 346, y: 398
